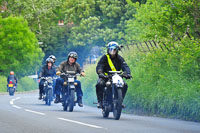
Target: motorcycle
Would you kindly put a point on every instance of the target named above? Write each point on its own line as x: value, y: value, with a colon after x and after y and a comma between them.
x: 11, y: 88
x: 48, y: 89
x: 112, y: 95
x: 68, y: 91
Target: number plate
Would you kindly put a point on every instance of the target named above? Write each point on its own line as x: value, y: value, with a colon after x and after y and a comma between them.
x: 70, y: 79
x: 72, y: 86
x: 10, y: 85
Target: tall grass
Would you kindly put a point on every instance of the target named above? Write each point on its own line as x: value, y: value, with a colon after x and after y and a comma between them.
x: 27, y: 84
x: 88, y: 84
x: 3, y: 84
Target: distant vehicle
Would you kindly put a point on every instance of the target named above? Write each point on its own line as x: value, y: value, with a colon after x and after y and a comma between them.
x: 11, y: 88
x: 48, y: 88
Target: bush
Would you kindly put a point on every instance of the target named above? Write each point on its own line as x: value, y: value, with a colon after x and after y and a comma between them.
x: 88, y: 84
x: 166, y: 83
x: 27, y: 84
x: 3, y: 84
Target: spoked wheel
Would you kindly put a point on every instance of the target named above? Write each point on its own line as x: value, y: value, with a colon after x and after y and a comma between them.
x: 117, y: 107
x: 71, y: 103
x: 49, y: 97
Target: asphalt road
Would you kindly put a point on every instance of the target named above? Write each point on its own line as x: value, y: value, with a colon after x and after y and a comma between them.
x: 24, y: 113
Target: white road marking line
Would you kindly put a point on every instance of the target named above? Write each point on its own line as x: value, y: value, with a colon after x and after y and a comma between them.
x: 16, y: 107
x: 18, y: 98
x: 34, y: 112
x: 11, y: 102
x: 81, y: 123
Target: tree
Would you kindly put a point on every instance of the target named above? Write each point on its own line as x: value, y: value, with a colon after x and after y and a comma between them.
x: 19, y: 49
x: 163, y: 19
x: 97, y: 22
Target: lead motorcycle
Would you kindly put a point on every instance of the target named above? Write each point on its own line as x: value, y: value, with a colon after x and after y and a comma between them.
x: 112, y: 95
x: 68, y: 91
x: 11, y: 88
x: 48, y: 89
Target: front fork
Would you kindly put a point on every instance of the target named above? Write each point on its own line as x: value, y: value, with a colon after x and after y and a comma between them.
x: 66, y: 91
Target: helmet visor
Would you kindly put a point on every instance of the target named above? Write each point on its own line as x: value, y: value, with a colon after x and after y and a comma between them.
x: 72, y: 55
x: 112, y: 50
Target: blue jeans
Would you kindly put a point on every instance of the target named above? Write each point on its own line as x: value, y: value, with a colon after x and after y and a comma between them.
x: 59, y: 87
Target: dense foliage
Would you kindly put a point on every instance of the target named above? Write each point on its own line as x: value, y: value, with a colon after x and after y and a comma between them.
x: 164, y: 20
x: 19, y: 50
x: 87, y: 23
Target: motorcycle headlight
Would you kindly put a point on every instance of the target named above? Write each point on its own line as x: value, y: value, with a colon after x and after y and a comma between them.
x: 108, y: 83
x: 49, y: 79
x: 75, y: 84
x: 45, y: 84
x: 65, y: 83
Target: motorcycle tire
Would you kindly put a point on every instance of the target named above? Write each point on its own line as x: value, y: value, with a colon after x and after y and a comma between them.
x: 71, y: 103
x: 117, y: 107
x: 49, y: 97
x: 11, y: 91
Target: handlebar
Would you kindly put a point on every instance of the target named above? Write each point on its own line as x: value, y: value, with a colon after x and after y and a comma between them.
x: 71, y: 73
x: 48, y: 77
x: 120, y: 73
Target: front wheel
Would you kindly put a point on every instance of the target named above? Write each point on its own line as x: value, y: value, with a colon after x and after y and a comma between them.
x: 117, y: 104
x: 49, y: 97
x: 71, y: 103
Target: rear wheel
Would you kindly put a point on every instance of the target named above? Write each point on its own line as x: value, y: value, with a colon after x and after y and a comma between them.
x: 117, y: 106
x: 11, y: 91
x: 71, y: 103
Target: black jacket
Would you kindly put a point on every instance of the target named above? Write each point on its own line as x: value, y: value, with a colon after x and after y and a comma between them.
x: 45, y: 72
x: 12, y: 78
x: 118, y: 62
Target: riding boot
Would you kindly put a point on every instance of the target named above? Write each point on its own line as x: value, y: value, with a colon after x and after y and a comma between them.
x: 80, y: 103
x: 40, y: 96
x: 57, y: 100
x: 99, y: 93
x: 99, y: 104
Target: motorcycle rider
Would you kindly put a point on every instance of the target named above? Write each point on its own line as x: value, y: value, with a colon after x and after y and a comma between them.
x: 69, y: 65
x: 12, y: 78
x: 104, y: 66
x: 48, y: 70
x: 54, y: 60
